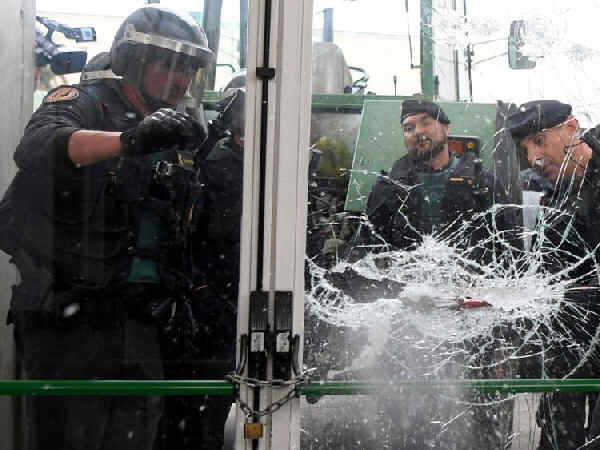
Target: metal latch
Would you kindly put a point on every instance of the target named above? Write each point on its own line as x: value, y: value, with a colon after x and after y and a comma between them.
x: 282, y: 356
x: 259, y: 335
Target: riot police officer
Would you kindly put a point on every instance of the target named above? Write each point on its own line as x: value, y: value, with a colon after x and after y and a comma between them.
x: 217, y: 244
x: 91, y: 232
x: 223, y: 174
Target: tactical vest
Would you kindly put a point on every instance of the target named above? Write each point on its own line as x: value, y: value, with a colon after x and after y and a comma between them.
x: 433, y: 186
x: 440, y: 198
x: 432, y: 200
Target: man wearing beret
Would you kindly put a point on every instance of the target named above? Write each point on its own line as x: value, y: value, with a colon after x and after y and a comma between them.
x: 430, y: 191
x: 550, y: 136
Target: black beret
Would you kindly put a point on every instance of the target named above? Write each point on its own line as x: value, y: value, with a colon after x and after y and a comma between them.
x: 412, y: 107
x: 536, y: 116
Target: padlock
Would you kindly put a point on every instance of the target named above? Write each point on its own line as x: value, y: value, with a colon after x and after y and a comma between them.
x: 253, y: 431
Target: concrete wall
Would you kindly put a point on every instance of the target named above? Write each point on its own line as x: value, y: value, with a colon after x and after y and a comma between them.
x: 16, y: 95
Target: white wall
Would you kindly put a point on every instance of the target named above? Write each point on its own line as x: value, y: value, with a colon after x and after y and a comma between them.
x: 16, y: 92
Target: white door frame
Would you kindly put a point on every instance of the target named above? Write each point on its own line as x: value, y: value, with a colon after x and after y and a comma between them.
x: 285, y: 188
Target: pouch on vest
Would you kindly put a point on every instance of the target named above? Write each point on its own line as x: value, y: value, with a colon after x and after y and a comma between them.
x: 33, y: 293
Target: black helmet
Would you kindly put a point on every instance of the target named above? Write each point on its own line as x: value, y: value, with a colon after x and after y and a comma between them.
x: 238, y: 80
x: 232, y: 106
x: 233, y: 99
x: 167, y: 42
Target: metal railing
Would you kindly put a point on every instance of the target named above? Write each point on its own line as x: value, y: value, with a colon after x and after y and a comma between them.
x: 222, y: 387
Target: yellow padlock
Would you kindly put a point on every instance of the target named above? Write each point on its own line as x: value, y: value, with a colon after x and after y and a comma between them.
x: 253, y: 431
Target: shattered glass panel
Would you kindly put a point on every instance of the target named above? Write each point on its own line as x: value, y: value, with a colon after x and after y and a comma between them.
x: 437, y: 271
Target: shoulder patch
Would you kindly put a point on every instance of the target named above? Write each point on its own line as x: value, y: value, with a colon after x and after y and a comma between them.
x: 62, y: 94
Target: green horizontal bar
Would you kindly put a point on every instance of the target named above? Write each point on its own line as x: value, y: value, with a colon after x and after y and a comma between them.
x: 217, y: 387
x: 320, y: 101
x: 116, y: 387
x: 341, y: 102
x: 211, y: 97
x: 346, y: 102
x: 501, y: 386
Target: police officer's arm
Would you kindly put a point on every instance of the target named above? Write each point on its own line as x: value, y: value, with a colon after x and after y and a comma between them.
x: 163, y: 128
x: 61, y: 133
x: 383, y: 213
x: 45, y: 143
x: 87, y: 147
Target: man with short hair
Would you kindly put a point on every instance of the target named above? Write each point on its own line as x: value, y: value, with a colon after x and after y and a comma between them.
x: 550, y: 136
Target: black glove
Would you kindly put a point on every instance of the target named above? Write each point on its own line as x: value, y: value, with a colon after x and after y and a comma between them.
x: 162, y: 129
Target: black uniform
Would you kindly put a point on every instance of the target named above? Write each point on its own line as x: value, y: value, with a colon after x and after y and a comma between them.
x: 219, y: 243
x: 569, y: 236
x: 411, y: 202
x: 197, y: 422
x: 223, y: 173
x: 562, y: 416
x: 88, y: 248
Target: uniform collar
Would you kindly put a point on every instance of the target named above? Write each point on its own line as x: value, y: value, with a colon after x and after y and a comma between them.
x: 133, y: 98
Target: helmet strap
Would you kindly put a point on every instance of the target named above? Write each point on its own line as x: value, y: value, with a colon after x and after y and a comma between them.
x: 135, y: 97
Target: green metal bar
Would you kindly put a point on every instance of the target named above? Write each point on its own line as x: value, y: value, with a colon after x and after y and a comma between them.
x: 515, y: 386
x: 345, y: 102
x: 218, y: 387
x: 116, y: 387
x: 210, y: 97
x: 226, y: 65
x: 427, y: 56
x: 340, y: 102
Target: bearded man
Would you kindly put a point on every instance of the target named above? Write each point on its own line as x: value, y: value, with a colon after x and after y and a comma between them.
x: 431, y: 191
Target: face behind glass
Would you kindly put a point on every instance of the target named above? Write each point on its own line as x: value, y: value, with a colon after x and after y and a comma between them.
x: 546, y: 152
x: 163, y: 82
x: 422, y: 132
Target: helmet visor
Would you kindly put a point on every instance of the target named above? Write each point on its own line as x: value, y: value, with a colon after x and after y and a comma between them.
x: 201, y: 55
x: 168, y: 75
x: 169, y: 66
x: 193, y: 97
